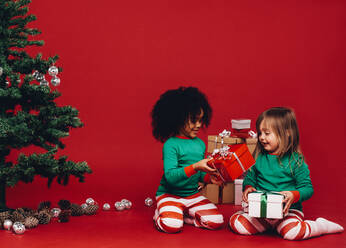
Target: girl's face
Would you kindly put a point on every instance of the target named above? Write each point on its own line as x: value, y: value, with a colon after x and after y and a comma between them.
x: 191, y: 128
x: 268, y: 138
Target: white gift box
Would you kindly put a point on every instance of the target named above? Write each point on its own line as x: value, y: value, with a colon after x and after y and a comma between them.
x: 238, y: 191
x: 241, y: 123
x: 270, y: 208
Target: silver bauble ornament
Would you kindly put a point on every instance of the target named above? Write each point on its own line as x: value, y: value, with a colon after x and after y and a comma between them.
x: 84, y: 205
x: 35, y: 74
x: 44, y: 82
x: 40, y: 77
x: 55, y: 81
x: 106, y: 206
x: 128, y: 204
x: 90, y: 201
x: 53, y: 71
x: 124, y: 201
x: 18, y: 228
x: 8, y: 224
x: 55, y: 212
x: 148, y: 202
x: 1, y: 71
x: 119, y: 206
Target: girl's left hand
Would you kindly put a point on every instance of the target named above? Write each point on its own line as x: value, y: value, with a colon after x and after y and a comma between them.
x: 288, y: 200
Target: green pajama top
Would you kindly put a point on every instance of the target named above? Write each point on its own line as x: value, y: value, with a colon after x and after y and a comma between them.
x: 269, y: 174
x: 179, y: 178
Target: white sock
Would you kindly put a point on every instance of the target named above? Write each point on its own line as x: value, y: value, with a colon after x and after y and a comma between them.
x: 326, y: 226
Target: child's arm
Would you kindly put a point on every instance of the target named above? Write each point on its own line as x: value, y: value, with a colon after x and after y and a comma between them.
x: 174, y: 174
x: 249, y: 184
x: 303, y: 183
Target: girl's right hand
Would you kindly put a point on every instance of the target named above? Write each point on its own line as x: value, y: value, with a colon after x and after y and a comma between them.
x: 248, y: 190
x: 202, y: 166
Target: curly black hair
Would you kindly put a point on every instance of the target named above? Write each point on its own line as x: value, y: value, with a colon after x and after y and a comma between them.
x: 175, y: 108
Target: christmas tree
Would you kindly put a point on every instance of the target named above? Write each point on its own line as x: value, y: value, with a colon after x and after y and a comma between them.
x: 28, y: 114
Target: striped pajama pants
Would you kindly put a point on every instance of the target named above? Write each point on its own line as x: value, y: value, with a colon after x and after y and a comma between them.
x: 172, y: 211
x: 291, y: 227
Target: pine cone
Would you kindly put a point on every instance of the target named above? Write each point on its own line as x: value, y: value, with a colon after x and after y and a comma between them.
x: 64, y: 216
x: 43, y: 217
x: 5, y: 215
x: 64, y: 204
x: 76, y: 210
x: 30, y: 222
x: 91, y: 209
x: 28, y: 212
x: 44, y: 205
x: 17, y: 216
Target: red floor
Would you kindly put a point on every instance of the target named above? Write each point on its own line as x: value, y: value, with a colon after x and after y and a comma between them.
x: 134, y: 228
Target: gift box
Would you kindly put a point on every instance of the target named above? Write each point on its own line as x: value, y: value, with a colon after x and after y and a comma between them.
x: 216, y: 142
x: 210, y: 191
x: 228, y: 193
x: 265, y: 205
x: 238, y: 191
x: 241, y: 124
x: 218, y: 194
x: 232, y: 161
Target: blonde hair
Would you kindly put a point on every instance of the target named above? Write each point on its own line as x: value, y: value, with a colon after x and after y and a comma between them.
x: 284, y: 125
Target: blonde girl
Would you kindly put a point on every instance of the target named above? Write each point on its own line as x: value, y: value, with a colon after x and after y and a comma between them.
x: 280, y: 166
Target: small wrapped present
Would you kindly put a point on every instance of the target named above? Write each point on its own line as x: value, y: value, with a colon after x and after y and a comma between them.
x: 265, y: 204
x: 217, y: 141
x: 231, y: 161
x: 238, y: 191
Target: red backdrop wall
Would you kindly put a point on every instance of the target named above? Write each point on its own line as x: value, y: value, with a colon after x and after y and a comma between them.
x: 247, y: 56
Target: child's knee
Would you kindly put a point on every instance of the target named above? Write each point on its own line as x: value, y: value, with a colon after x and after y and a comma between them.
x: 169, y: 225
x: 212, y: 221
x: 293, y: 230
x: 239, y: 224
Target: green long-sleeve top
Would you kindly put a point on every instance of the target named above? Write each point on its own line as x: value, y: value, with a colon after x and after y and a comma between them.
x: 179, y: 178
x: 287, y: 175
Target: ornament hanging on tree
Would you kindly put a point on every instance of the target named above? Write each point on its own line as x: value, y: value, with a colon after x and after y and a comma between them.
x: 1, y: 71
x: 18, y: 228
x: 8, y: 224
x: 148, y: 202
x: 44, y: 82
x: 53, y: 71
x: 55, y: 81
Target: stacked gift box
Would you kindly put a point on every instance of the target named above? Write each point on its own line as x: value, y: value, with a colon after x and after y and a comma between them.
x: 232, y: 156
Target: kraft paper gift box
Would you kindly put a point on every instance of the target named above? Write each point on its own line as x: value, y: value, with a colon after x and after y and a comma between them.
x: 238, y: 191
x: 234, y: 164
x: 228, y: 193
x: 265, y: 205
x: 211, y: 191
x: 216, y: 142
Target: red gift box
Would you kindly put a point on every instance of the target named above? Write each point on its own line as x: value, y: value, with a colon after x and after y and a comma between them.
x: 232, y: 163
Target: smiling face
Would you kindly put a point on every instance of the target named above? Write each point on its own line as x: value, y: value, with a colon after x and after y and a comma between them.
x: 268, y: 139
x: 192, y: 126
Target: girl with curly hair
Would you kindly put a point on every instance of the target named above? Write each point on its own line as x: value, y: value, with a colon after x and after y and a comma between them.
x: 177, y: 117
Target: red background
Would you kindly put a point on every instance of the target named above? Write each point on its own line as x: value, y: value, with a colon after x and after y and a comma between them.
x: 247, y: 56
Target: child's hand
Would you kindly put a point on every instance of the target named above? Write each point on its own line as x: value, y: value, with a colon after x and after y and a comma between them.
x: 248, y: 190
x: 202, y: 166
x: 288, y: 200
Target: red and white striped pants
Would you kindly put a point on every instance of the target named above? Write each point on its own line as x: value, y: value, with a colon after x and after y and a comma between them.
x: 172, y: 211
x: 291, y: 227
